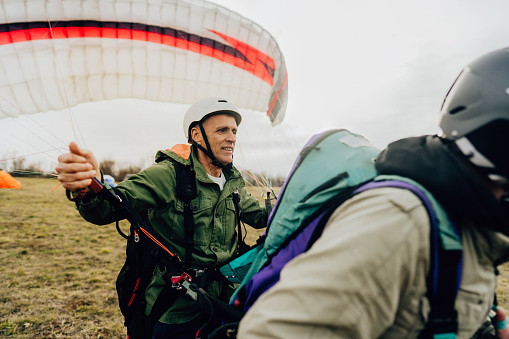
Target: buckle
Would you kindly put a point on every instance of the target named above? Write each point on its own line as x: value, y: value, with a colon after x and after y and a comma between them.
x: 177, y: 281
x: 445, y: 326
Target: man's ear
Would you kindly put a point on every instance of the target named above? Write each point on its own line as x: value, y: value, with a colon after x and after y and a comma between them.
x: 195, y: 134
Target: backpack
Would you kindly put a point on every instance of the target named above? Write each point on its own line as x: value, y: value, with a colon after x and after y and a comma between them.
x: 304, y: 206
x: 144, y: 252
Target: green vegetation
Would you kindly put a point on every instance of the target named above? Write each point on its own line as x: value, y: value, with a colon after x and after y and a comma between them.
x: 58, y: 272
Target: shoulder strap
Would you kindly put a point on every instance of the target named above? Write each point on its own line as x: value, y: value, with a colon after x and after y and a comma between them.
x: 186, y: 191
x: 242, y: 246
x: 445, y: 264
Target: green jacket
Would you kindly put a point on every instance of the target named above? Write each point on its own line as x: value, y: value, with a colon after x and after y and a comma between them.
x: 152, y: 192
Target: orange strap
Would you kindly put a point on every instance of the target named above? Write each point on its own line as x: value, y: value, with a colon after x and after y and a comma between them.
x: 158, y: 242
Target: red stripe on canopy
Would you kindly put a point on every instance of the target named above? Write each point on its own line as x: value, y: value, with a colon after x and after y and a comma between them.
x: 258, y: 63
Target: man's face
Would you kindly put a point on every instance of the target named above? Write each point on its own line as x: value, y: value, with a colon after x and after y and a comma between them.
x: 221, y: 132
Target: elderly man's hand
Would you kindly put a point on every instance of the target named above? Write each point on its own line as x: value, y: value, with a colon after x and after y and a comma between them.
x: 77, y: 168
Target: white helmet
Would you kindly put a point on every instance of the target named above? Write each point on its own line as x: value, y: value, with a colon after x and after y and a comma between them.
x: 202, y: 109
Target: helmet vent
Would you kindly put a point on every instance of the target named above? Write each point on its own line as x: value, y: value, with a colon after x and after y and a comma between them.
x: 222, y: 101
x: 457, y: 109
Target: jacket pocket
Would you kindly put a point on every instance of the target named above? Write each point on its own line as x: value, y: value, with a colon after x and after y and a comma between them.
x: 473, y: 309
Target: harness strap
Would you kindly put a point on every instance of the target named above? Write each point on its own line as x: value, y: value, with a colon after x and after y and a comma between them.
x: 165, y: 298
x: 115, y: 197
x: 189, y: 232
x: 445, y: 279
x: 218, y: 311
x: 203, y: 278
x: 445, y: 271
x: 207, y: 151
x: 238, y: 213
x: 186, y: 191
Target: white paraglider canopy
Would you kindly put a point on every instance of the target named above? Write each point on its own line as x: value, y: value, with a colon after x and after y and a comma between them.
x: 57, y: 54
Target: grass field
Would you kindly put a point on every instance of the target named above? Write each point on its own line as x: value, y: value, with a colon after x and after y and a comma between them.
x: 58, y: 272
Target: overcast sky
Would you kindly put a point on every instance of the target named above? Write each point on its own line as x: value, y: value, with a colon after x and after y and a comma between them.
x: 378, y: 68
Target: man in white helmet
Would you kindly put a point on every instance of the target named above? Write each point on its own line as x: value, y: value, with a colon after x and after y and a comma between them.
x: 210, y: 125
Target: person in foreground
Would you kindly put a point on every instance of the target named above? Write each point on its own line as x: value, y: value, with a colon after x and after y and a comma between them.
x: 365, y: 277
x: 211, y: 127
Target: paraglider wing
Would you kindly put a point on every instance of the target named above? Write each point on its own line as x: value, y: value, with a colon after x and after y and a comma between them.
x: 56, y: 54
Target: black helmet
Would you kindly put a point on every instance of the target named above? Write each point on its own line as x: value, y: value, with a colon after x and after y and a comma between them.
x: 475, y: 114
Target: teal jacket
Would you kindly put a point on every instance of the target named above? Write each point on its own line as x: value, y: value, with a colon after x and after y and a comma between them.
x: 152, y: 192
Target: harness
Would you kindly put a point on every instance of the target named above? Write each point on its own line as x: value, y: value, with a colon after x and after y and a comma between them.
x: 187, y: 191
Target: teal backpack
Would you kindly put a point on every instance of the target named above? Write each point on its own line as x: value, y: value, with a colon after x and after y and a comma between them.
x: 331, y: 168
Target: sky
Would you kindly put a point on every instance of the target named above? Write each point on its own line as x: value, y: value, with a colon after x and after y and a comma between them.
x: 377, y: 68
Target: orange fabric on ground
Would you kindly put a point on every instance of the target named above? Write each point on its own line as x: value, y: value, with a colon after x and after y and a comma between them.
x: 7, y: 181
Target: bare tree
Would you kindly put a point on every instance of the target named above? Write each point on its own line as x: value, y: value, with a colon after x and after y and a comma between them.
x: 108, y: 167
x: 126, y: 171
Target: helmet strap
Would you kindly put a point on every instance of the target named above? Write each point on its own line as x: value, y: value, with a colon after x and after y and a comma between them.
x: 477, y: 161
x: 207, y: 151
x: 475, y: 157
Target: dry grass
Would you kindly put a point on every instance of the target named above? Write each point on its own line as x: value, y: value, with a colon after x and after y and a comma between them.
x: 58, y: 271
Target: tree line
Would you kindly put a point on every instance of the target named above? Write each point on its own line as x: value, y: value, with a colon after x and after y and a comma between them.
x: 20, y: 168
